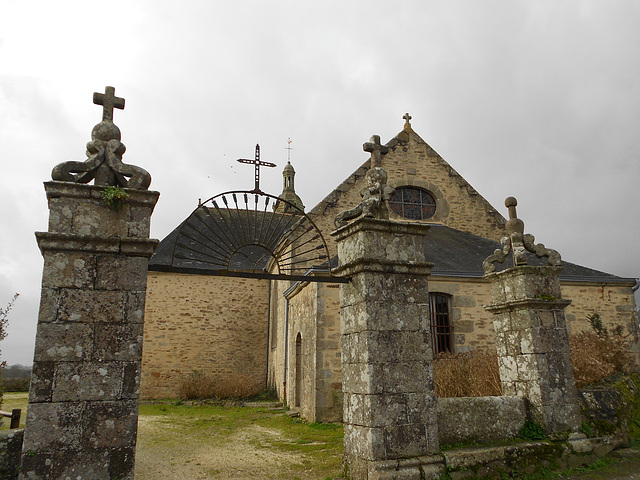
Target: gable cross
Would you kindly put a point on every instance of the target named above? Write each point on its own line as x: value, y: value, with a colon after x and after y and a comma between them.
x: 258, y: 163
x: 376, y: 150
x: 109, y: 101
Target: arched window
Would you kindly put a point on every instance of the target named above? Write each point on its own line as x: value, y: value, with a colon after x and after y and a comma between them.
x: 441, y: 327
x: 413, y: 203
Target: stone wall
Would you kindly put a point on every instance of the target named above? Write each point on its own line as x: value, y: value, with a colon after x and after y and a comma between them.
x: 10, y: 450
x: 314, y: 312
x: 473, y: 325
x: 480, y: 419
x: 195, y: 322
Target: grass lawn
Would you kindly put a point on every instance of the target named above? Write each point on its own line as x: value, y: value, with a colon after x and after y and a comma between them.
x: 205, y: 441
x: 11, y: 400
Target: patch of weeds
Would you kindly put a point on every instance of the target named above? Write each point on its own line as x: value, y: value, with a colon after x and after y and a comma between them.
x: 115, y: 197
x: 532, y: 431
x: 546, y: 298
x: 587, y: 429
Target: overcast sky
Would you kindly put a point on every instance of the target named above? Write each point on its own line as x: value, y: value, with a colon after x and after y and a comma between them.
x: 535, y: 99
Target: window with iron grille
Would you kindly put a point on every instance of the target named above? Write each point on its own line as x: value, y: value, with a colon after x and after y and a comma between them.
x: 441, y: 328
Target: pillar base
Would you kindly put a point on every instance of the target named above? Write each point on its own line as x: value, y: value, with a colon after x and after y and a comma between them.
x: 428, y: 467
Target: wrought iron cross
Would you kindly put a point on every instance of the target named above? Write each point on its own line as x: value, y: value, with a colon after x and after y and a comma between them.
x: 109, y: 101
x: 376, y: 150
x: 257, y: 164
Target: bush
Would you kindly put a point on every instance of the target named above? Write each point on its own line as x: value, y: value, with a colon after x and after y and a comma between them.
x: 466, y: 375
x: 598, y: 356
x: 16, y: 384
x: 199, y: 385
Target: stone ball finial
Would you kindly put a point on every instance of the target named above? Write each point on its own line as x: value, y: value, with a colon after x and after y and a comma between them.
x: 514, y: 224
x: 106, y: 131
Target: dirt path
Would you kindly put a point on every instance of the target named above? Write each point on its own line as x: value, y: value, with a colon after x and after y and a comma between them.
x: 239, y: 458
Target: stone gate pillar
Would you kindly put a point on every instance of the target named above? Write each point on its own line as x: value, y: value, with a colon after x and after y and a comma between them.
x: 532, y: 341
x: 83, y: 401
x: 390, y: 428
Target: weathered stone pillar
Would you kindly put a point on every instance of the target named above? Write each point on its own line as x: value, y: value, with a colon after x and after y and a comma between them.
x: 532, y: 341
x: 390, y: 422
x: 83, y: 401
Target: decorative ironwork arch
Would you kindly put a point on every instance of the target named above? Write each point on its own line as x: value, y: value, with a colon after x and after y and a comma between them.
x: 251, y: 234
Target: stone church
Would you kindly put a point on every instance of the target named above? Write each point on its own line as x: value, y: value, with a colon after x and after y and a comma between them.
x: 285, y: 333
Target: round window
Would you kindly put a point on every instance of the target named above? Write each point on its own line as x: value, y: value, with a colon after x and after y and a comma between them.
x: 413, y: 203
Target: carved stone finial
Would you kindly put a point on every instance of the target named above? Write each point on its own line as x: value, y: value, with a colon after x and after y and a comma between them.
x: 104, y: 152
x: 376, y: 193
x: 376, y: 149
x: 517, y: 242
x: 407, y: 117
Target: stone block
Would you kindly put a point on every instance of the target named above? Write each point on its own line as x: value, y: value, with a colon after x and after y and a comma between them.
x: 68, y: 269
x: 90, y: 306
x: 138, y: 225
x: 386, y: 346
x: 480, y: 419
x: 402, y: 441
x: 53, y: 426
x: 383, y: 287
x: 42, y: 376
x: 134, y: 307
x: 63, y: 342
x: 76, y: 382
x: 115, y: 272
x: 131, y: 380
x: 412, y: 377
x: 384, y: 316
x: 109, y: 424
x: 49, y: 304
x: 363, y: 378
x: 119, y: 342
x: 98, y: 464
x: 363, y: 442
x: 95, y: 218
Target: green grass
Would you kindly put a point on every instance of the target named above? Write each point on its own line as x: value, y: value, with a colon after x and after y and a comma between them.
x: 318, y: 447
x: 13, y: 400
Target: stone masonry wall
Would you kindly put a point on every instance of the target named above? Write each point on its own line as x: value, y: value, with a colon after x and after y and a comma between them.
x: 302, y: 321
x: 195, y: 322
x: 473, y: 325
x: 314, y: 311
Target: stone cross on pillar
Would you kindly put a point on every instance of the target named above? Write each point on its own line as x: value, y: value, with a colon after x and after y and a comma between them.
x: 109, y: 101
x: 83, y: 401
x: 390, y: 422
x: 376, y: 150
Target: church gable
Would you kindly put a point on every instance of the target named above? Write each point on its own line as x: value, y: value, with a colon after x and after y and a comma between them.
x: 416, y: 169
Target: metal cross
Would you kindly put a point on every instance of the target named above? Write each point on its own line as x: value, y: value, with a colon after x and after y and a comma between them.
x: 109, y: 101
x: 258, y: 164
x: 376, y: 150
x: 288, y: 147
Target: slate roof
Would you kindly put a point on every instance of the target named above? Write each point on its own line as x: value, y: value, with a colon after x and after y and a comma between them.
x: 460, y: 254
x: 455, y: 254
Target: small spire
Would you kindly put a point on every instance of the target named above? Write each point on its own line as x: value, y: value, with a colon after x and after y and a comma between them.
x: 407, y: 124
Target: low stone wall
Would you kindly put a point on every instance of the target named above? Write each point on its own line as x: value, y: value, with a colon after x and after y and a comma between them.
x: 10, y: 450
x: 480, y: 419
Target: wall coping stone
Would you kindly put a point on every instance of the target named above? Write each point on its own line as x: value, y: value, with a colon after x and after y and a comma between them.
x: 135, y: 247
x: 55, y: 189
